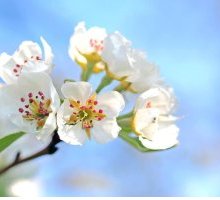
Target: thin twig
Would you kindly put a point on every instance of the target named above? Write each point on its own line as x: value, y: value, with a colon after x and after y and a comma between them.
x: 50, y: 149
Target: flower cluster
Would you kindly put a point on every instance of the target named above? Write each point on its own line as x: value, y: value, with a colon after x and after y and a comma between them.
x: 29, y: 101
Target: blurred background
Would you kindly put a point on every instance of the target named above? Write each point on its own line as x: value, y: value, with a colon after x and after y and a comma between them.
x: 183, y: 38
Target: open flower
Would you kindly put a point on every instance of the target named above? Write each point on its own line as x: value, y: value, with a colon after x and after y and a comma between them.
x: 87, y: 45
x: 153, y: 122
x: 28, y: 58
x: 85, y: 115
x: 29, y: 105
x: 119, y: 57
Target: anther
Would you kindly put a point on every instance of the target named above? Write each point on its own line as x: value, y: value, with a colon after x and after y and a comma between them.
x: 30, y: 95
x: 21, y: 110
x: 22, y: 99
x: 40, y: 93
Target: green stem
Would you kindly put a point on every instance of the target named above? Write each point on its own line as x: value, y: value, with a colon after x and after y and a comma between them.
x: 119, y: 88
x: 125, y: 115
x: 106, y: 80
x: 48, y: 150
x: 87, y: 73
x: 83, y: 75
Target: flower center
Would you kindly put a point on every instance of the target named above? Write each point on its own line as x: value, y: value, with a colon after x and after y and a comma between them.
x: 17, y: 69
x: 35, y: 108
x: 96, y: 44
x: 85, y: 114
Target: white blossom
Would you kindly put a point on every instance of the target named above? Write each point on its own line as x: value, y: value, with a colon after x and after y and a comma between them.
x: 85, y: 115
x: 29, y: 105
x: 153, y: 121
x: 87, y: 45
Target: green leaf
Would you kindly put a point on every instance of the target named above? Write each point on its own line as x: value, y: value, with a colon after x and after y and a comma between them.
x: 125, y: 123
x: 134, y: 142
x: 9, y: 139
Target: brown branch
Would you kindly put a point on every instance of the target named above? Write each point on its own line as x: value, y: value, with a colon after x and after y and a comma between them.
x: 49, y: 150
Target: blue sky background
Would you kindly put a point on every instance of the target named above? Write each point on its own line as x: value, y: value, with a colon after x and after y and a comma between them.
x: 183, y: 38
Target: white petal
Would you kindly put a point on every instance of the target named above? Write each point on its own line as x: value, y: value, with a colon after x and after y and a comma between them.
x: 105, y: 131
x: 143, y: 121
x: 6, y: 68
x: 75, y: 55
x: 77, y: 90
x: 147, y: 74
x: 28, y: 49
x: 97, y: 33
x: 163, y: 139
x: 167, y: 120
x: 64, y: 113
x: 80, y: 28
x: 117, y: 53
x: 4, y: 57
x: 73, y: 51
x: 48, y: 54
x: 73, y: 134
x: 7, y: 126
x: 112, y: 103
x: 48, y: 128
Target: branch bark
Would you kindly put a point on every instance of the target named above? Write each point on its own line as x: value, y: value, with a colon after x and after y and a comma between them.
x: 48, y: 150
